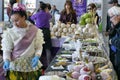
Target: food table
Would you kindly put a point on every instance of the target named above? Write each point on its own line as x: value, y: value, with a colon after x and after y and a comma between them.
x: 56, y: 44
x: 98, y: 55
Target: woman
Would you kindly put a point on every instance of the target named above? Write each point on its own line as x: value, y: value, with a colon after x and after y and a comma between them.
x: 41, y: 19
x: 92, y: 8
x: 68, y: 15
x: 22, y: 47
x: 9, y: 8
x: 114, y: 13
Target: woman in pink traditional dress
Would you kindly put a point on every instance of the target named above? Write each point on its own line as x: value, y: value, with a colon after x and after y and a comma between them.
x: 22, y: 47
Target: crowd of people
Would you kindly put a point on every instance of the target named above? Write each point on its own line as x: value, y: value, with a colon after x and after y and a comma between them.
x: 27, y: 45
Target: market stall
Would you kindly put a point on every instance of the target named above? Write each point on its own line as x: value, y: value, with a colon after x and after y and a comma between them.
x: 83, y: 54
x: 80, y: 48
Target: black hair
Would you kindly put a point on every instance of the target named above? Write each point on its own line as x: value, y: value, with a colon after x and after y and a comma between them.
x: 12, y: 2
x: 43, y: 6
x: 92, y: 5
x: 41, y: 2
x: 49, y: 6
x: 21, y: 13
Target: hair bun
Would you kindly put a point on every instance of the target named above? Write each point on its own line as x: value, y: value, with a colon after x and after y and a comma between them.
x: 19, y: 7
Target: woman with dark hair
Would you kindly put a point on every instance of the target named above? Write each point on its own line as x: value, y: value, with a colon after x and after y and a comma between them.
x: 41, y: 19
x: 68, y: 15
x: 92, y: 8
x: 49, y: 6
x: 22, y: 47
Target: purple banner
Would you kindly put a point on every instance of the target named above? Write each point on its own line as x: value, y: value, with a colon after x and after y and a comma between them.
x: 79, y: 6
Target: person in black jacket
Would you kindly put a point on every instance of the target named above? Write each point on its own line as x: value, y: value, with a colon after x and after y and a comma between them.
x: 108, y: 27
x: 110, y: 31
x: 54, y: 11
x: 114, y: 14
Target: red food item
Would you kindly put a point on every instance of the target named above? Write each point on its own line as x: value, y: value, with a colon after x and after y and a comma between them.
x: 86, y: 69
x: 86, y: 78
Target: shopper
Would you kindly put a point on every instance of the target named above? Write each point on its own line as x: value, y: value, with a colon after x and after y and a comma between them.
x: 9, y: 8
x: 22, y: 47
x: 53, y: 12
x: 41, y: 19
x: 113, y: 3
x: 114, y: 14
x: 92, y: 8
x: 68, y: 15
x: 110, y: 31
x: 29, y: 14
x: 108, y: 27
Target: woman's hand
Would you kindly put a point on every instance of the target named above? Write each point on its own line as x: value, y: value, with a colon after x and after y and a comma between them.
x: 6, y: 65
x: 35, y: 61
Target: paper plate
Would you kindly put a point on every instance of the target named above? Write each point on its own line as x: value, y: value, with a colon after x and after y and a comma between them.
x: 52, y: 77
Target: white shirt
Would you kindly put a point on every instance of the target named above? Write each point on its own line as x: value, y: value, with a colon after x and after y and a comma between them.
x: 12, y: 36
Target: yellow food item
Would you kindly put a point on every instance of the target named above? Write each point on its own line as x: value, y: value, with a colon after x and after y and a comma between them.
x: 64, y: 63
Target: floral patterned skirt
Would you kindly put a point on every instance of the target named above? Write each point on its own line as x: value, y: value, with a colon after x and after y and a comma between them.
x: 15, y: 75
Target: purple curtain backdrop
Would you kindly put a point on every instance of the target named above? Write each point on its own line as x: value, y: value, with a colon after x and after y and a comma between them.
x: 79, y: 6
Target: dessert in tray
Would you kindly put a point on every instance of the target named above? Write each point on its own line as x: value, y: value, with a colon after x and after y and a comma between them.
x: 87, y: 71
